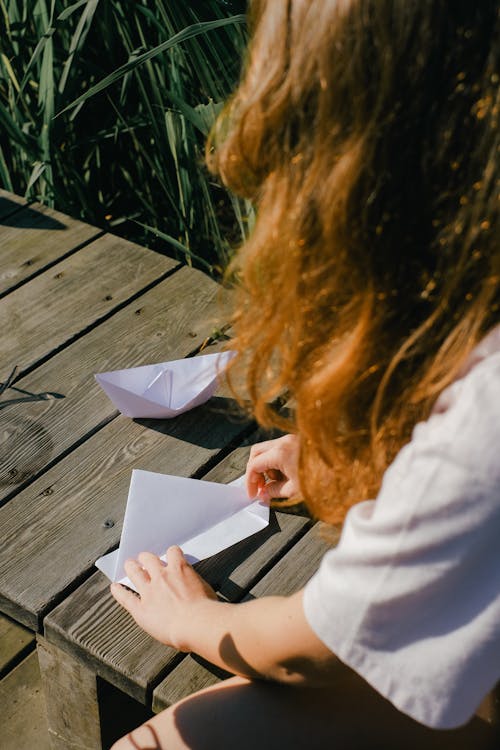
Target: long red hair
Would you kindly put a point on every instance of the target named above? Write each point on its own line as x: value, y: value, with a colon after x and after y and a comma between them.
x: 366, y: 133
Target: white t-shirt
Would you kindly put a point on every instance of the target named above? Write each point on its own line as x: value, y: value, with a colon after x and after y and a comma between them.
x: 410, y: 597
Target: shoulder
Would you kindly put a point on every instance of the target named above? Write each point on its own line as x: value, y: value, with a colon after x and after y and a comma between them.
x: 464, y: 427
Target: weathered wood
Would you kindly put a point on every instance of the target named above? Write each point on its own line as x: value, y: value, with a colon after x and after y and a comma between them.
x: 90, y: 625
x: 167, y: 322
x: 188, y: 677
x: 10, y: 204
x: 24, y: 719
x: 287, y: 576
x: 299, y: 564
x: 489, y: 710
x: 54, y: 530
x: 15, y: 643
x: 35, y: 237
x: 71, y: 699
x: 63, y: 301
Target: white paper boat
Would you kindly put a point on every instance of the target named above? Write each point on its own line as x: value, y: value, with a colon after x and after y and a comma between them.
x: 165, y: 389
x: 201, y: 517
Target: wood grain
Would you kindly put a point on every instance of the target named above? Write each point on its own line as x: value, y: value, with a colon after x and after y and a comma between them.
x: 15, y: 642
x: 53, y: 531
x: 288, y: 575
x: 167, y: 322
x: 60, y: 303
x: 90, y: 625
x: 71, y: 700
x: 35, y: 237
x: 24, y: 718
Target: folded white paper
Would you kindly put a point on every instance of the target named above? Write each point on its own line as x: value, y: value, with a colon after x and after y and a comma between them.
x: 165, y: 389
x: 201, y: 517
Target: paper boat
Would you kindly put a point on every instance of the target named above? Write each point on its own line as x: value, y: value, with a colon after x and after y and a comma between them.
x: 165, y: 389
x: 201, y: 517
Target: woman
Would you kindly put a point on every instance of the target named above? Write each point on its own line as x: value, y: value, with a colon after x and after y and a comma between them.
x: 366, y: 132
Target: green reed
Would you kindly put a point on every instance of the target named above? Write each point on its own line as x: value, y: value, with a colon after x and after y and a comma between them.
x: 104, y: 109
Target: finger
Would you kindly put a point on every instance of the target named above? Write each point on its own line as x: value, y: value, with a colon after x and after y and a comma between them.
x: 254, y: 482
x: 151, y: 563
x: 275, y: 474
x: 137, y: 574
x: 265, y: 463
x: 273, y: 489
x: 126, y: 598
x: 175, y: 557
x: 258, y: 448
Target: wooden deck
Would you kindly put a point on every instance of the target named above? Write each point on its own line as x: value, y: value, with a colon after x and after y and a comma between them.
x: 75, y: 301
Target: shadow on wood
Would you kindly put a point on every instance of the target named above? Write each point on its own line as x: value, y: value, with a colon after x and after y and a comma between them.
x: 30, y: 218
x: 205, y: 426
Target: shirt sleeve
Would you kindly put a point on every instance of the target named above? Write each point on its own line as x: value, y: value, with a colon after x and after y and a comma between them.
x: 410, y: 597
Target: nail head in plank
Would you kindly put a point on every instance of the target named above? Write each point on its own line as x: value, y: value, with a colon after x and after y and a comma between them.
x: 60, y: 303
x: 35, y: 237
x: 176, y: 316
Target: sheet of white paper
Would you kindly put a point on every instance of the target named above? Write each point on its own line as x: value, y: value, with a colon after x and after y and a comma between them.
x: 203, y: 518
x: 165, y: 389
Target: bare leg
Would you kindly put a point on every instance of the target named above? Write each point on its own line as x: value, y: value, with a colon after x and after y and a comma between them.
x: 249, y: 715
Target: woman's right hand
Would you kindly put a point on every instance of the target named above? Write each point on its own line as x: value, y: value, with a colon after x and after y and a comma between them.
x: 272, y: 469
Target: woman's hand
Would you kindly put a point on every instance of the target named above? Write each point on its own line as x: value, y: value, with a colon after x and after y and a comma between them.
x: 278, y: 461
x: 169, y: 595
x: 267, y: 637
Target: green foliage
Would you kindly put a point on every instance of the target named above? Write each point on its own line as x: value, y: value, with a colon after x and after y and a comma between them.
x: 104, y: 109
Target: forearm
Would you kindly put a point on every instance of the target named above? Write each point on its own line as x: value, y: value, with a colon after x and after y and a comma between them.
x: 264, y: 638
x: 268, y: 638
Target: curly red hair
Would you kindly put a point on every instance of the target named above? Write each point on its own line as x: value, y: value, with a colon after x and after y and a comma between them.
x: 366, y: 133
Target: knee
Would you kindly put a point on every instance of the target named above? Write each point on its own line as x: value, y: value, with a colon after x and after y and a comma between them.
x: 134, y: 741
x: 122, y: 744
x: 156, y: 734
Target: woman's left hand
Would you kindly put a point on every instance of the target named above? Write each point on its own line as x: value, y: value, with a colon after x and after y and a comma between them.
x: 168, y: 595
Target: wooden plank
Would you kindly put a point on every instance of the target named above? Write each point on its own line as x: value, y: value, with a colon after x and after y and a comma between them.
x: 34, y: 238
x: 62, y: 302
x: 92, y: 628
x: 15, y: 643
x: 287, y: 576
x: 53, y: 531
x: 167, y: 322
x: 90, y: 625
x: 299, y: 564
x: 71, y: 700
x: 489, y: 709
x: 10, y: 204
x: 24, y: 721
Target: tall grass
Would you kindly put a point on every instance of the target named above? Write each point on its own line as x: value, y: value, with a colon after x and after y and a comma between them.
x: 104, y: 109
